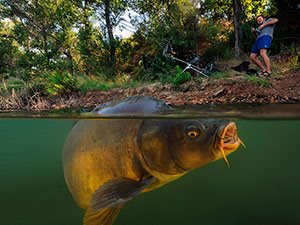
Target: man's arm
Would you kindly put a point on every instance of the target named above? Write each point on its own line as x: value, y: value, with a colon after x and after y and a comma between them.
x: 270, y: 22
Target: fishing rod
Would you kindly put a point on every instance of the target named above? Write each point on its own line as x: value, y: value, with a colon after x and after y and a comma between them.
x: 167, y: 53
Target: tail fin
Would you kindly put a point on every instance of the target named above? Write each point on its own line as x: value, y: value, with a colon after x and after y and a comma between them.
x: 102, y: 217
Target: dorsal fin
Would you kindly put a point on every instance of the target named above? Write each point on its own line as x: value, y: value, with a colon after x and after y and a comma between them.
x: 133, y: 105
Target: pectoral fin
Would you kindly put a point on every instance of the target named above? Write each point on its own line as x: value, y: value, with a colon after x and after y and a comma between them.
x: 108, y: 200
x: 117, y: 192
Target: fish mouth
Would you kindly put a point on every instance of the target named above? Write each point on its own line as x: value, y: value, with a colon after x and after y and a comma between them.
x: 228, y: 140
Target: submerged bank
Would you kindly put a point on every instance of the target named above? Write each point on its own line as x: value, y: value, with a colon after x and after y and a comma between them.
x: 285, y: 89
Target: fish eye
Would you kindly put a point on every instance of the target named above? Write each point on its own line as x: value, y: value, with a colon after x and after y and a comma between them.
x: 192, y: 131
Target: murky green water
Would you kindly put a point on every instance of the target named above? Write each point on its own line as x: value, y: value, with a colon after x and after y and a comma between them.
x: 262, y: 186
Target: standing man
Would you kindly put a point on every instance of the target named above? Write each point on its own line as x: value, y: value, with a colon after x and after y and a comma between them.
x: 264, y: 35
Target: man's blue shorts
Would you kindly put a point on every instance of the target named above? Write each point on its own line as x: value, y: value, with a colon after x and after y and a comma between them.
x: 262, y: 42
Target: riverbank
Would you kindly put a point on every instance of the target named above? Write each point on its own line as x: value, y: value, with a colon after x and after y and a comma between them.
x: 232, y: 90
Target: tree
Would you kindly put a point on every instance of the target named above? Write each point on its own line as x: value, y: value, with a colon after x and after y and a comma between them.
x: 175, y: 21
x: 90, y: 39
x: 237, y: 15
x: 109, y: 14
x: 42, y: 29
x: 240, y: 12
x: 9, y: 52
x: 112, y: 47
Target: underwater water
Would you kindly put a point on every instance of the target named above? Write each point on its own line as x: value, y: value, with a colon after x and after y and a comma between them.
x: 261, y: 187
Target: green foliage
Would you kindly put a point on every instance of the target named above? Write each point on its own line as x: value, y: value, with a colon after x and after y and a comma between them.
x: 217, y: 36
x: 219, y: 75
x: 91, y: 48
x: 88, y: 84
x: 127, y: 84
x: 16, y: 84
x: 12, y: 84
x: 175, y: 77
x: 180, y: 77
x: 223, y: 9
x: 9, y: 51
x: 293, y: 53
x: 261, y: 81
x: 294, y: 62
x: 59, y: 82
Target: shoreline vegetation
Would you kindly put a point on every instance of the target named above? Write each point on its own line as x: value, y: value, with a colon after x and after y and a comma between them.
x: 67, y: 54
x: 228, y: 87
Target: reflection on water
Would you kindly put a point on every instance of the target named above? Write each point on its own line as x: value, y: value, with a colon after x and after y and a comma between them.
x: 261, y: 186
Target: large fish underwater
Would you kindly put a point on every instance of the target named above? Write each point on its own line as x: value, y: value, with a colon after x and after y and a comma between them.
x: 108, y: 162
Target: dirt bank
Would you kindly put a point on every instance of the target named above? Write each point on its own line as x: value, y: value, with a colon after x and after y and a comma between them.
x: 284, y: 89
x: 225, y: 91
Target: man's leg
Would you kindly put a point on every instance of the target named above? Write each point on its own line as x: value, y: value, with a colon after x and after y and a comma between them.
x: 256, y: 61
x: 263, y: 54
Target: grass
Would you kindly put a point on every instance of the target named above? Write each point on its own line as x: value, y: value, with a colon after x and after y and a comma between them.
x: 284, y: 64
x: 85, y: 84
x: 220, y: 75
x: 12, y: 83
x: 261, y: 81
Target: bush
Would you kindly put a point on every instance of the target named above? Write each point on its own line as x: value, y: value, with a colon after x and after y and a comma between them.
x: 180, y: 77
x: 59, y: 82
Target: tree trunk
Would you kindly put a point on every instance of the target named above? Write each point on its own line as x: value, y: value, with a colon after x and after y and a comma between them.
x: 86, y: 53
x: 110, y: 34
x: 236, y: 21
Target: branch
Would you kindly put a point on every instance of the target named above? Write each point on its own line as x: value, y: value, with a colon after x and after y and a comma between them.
x: 21, y: 14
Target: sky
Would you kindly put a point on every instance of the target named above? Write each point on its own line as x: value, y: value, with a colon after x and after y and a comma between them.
x: 125, y: 29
